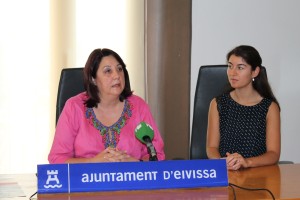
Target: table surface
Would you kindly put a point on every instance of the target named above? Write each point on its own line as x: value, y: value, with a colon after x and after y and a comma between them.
x: 282, y: 180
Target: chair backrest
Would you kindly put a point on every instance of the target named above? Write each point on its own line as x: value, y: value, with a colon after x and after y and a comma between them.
x: 212, y: 80
x: 70, y: 84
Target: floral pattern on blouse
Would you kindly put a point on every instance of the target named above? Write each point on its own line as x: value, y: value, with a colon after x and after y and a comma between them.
x: 110, y: 134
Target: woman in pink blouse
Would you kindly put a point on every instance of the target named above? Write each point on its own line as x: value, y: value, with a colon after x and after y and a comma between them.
x: 99, y: 125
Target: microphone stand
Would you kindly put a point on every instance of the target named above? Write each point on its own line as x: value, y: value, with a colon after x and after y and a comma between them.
x: 151, y: 149
x: 153, y: 158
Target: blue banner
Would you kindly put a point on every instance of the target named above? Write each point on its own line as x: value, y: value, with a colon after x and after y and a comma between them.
x: 93, y: 177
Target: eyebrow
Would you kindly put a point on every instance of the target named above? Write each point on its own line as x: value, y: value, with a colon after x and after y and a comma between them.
x: 109, y: 66
x: 242, y: 65
x: 238, y: 64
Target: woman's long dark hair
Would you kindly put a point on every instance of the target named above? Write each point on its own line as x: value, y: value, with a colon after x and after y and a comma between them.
x: 90, y: 71
x: 251, y: 56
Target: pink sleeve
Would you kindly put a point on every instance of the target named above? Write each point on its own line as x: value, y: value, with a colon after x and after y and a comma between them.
x: 65, y: 133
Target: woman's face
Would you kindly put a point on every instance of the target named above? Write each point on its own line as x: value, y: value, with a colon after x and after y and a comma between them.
x: 239, y: 72
x: 110, y: 77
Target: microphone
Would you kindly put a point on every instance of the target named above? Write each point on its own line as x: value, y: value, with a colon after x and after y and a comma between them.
x: 144, y: 133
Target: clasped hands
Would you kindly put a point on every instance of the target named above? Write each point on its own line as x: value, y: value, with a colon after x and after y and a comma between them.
x: 235, y: 161
x: 113, y: 155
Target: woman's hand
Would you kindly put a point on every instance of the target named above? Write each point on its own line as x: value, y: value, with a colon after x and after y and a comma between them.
x: 235, y: 161
x: 113, y: 155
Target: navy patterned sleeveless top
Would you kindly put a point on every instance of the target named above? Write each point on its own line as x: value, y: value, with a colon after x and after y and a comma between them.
x: 242, y: 128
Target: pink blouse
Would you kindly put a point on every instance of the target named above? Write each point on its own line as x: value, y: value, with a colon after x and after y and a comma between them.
x: 77, y: 137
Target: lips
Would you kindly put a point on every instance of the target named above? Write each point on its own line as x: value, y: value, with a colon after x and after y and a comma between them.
x: 233, y: 81
x: 116, y: 85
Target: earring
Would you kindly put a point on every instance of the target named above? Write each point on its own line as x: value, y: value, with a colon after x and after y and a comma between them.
x: 253, y: 79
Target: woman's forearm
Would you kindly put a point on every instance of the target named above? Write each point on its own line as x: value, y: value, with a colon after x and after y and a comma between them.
x: 213, y: 153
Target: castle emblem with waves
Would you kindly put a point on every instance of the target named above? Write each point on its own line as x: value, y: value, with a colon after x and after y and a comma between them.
x: 52, y: 180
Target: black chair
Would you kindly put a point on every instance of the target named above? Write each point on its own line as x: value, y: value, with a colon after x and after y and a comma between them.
x: 70, y: 84
x: 212, y: 80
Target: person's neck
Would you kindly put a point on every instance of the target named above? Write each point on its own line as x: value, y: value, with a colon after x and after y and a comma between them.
x: 246, y: 96
x: 109, y: 110
x: 108, y: 103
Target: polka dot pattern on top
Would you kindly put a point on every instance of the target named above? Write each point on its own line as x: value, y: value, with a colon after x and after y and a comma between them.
x: 242, y: 128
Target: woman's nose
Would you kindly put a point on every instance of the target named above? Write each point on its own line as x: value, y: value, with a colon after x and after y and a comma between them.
x: 232, y: 71
x: 116, y: 74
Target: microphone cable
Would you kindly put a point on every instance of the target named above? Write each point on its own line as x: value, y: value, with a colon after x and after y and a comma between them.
x: 250, y: 189
x: 31, y: 197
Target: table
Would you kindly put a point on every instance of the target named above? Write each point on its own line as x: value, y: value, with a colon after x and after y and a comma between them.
x: 17, y: 186
x: 282, y: 180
